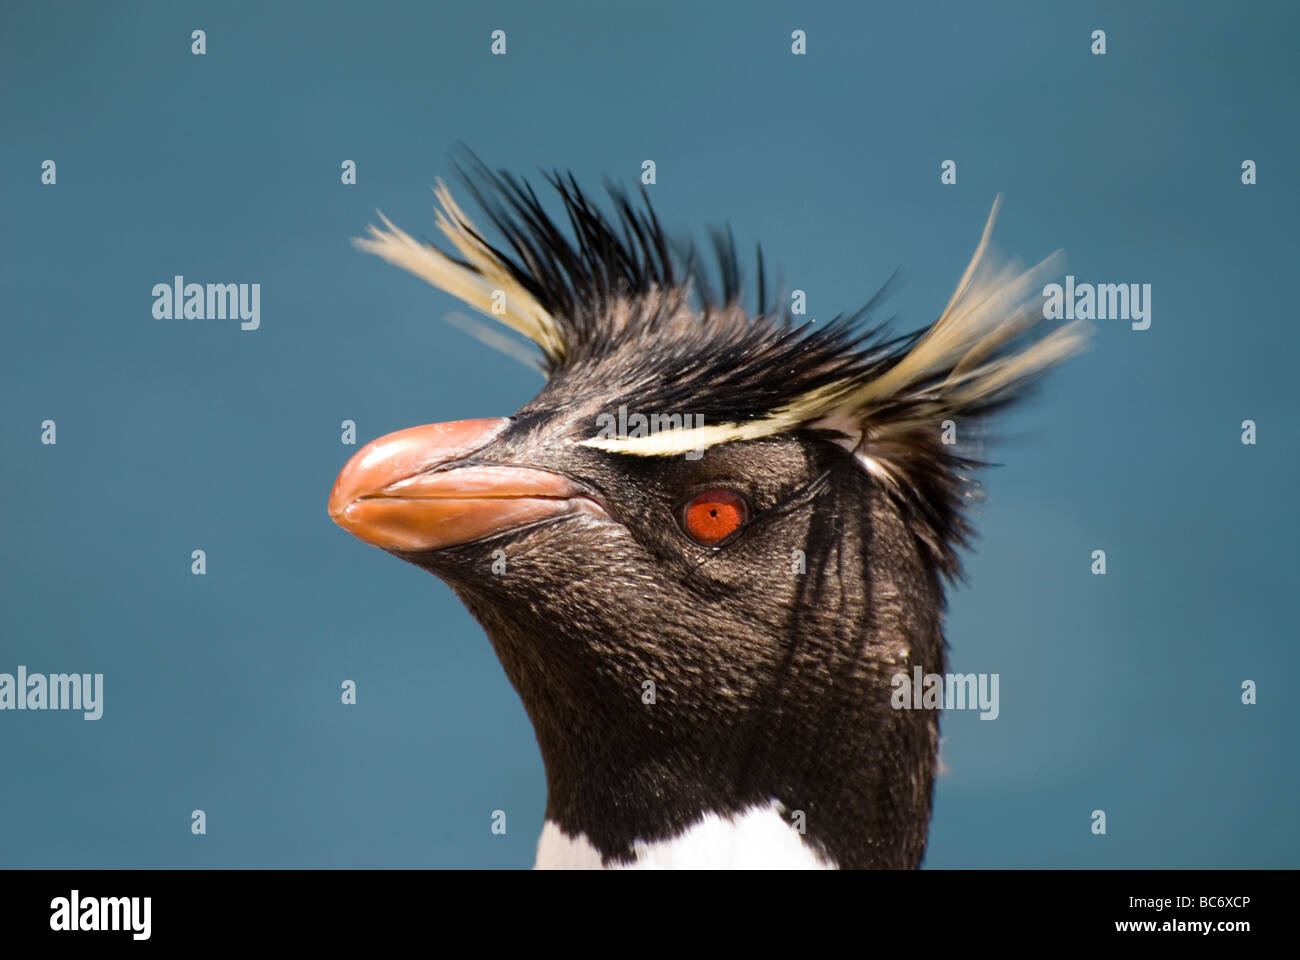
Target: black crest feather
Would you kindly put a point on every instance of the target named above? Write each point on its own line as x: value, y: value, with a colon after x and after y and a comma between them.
x: 623, y: 311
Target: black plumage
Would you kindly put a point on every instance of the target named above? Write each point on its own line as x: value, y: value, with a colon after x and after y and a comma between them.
x: 771, y: 652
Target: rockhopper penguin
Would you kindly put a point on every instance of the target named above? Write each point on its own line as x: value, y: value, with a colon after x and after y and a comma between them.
x: 724, y: 532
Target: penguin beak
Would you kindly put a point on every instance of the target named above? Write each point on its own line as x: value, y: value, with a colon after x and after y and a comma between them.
x: 405, y: 492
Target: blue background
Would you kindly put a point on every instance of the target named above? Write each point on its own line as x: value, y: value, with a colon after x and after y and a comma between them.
x: 1119, y: 692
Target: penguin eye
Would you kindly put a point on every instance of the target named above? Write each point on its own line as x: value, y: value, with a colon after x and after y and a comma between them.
x: 710, y: 517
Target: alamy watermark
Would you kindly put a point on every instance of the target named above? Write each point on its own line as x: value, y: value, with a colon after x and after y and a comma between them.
x: 946, y: 691
x: 58, y: 691
x: 77, y: 913
x: 179, y: 300
x: 1102, y: 301
x: 629, y: 426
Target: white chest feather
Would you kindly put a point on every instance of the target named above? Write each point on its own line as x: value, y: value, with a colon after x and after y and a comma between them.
x: 758, y: 839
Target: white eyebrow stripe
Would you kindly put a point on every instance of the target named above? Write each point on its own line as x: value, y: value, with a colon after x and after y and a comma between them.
x: 679, y: 440
x: 669, y: 443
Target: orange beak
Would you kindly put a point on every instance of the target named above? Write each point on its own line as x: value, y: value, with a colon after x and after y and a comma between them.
x: 401, y: 492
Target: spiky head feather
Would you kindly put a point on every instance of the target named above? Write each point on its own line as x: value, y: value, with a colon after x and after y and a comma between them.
x: 616, y: 296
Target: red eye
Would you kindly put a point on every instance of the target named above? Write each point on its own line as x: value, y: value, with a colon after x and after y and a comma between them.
x: 712, y: 516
